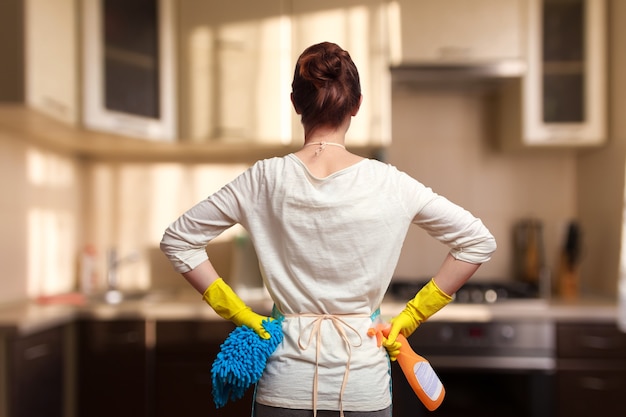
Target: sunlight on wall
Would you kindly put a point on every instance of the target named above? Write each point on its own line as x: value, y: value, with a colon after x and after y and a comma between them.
x: 176, y: 188
x: 50, y: 252
x: 51, y: 224
x: 48, y: 170
x: 132, y: 205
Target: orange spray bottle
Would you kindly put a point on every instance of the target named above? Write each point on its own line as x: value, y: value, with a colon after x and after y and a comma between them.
x: 417, y: 370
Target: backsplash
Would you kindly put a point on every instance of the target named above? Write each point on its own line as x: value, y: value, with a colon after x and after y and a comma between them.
x: 442, y: 138
x: 446, y: 140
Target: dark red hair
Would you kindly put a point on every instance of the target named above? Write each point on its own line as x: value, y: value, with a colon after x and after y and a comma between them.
x: 326, y: 87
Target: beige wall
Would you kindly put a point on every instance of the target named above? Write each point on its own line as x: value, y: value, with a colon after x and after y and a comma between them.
x: 129, y: 205
x: 442, y: 138
x: 445, y: 139
x: 601, y: 174
x: 41, y: 220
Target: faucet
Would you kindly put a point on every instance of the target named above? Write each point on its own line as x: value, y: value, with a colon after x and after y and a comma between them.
x: 113, y: 295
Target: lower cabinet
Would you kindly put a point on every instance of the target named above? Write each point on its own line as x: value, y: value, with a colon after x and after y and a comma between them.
x: 591, y: 370
x: 112, y: 369
x: 137, y: 368
x: 163, y: 369
x: 36, y: 365
x: 184, y: 353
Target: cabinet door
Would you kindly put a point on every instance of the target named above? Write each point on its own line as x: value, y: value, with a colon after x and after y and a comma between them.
x: 51, y: 56
x: 184, y: 354
x: 591, y: 392
x: 360, y: 27
x: 591, y: 340
x: 561, y: 101
x: 129, y: 68
x: 234, y: 71
x: 37, y: 378
x: 591, y: 369
x: 112, y: 369
x: 456, y: 31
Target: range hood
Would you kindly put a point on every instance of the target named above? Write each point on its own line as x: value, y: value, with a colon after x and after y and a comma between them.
x: 456, y: 72
x: 456, y: 40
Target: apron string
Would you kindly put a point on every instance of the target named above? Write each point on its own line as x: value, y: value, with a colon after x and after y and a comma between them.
x: 342, y: 328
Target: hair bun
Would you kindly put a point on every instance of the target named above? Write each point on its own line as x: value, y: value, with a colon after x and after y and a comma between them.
x: 321, y: 67
x: 326, y: 87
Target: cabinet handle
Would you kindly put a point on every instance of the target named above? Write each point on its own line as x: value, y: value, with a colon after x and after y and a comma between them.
x: 591, y: 383
x: 596, y: 342
x: 129, y: 337
x: 36, y: 352
x: 454, y: 52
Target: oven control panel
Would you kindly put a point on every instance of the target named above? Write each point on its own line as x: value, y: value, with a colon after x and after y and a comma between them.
x: 519, y: 335
x: 497, y: 344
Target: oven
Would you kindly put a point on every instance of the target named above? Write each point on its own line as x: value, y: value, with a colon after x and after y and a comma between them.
x: 488, y: 368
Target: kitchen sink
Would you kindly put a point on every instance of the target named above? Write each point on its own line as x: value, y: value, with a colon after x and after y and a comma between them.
x: 116, y: 297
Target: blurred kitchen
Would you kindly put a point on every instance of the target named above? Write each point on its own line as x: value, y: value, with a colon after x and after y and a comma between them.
x: 115, y: 116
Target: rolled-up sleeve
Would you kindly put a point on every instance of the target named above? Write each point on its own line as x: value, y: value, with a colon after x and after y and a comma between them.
x: 184, y: 241
x: 466, y: 235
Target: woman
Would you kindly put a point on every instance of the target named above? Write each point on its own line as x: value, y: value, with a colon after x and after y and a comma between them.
x: 328, y: 227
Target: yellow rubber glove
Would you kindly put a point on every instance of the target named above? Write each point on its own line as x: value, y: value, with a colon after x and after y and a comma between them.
x: 427, y: 302
x: 229, y: 306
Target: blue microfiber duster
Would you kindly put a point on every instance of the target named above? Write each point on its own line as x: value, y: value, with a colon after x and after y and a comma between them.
x: 241, y: 361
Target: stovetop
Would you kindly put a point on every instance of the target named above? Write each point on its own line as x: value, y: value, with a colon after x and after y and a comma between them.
x: 472, y: 292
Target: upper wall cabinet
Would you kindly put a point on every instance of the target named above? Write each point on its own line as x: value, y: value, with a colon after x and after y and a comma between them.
x: 360, y: 27
x: 236, y: 62
x: 456, y: 31
x: 129, y: 67
x: 51, y: 58
x: 561, y: 101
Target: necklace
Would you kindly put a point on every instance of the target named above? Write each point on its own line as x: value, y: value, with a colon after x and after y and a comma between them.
x: 322, y: 146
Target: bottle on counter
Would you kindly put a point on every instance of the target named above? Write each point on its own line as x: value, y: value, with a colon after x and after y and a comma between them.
x: 530, y: 267
x: 568, y: 284
x: 88, y: 273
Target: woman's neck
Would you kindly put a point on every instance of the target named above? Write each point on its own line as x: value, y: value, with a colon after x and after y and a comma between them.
x: 327, y: 134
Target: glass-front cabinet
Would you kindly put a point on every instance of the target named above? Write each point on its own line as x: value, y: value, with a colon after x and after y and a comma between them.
x: 129, y: 78
x: 205, y: 71
x: 561, y: 100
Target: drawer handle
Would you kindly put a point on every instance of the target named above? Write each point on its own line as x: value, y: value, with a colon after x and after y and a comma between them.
x: 595, y: 384
x: 596, y: 342
x: 36, y: 352
x: 129, y: 337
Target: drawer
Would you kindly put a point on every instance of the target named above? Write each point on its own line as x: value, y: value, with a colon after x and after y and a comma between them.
x: 597, y: 392
x: 188, y: 337
x: 106, y: 337
x: 590, y: 340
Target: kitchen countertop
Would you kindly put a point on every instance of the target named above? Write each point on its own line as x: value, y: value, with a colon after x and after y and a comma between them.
x: 28, y: 317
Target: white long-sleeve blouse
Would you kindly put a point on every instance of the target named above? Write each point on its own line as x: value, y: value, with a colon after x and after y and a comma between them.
x: 326, y: 246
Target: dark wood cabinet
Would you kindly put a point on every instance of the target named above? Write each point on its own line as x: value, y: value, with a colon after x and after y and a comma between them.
x: 141, y: 369
x: 184, y: 353
x: 591, y: 370
x: 113, y: 369
x: 36, y: 366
